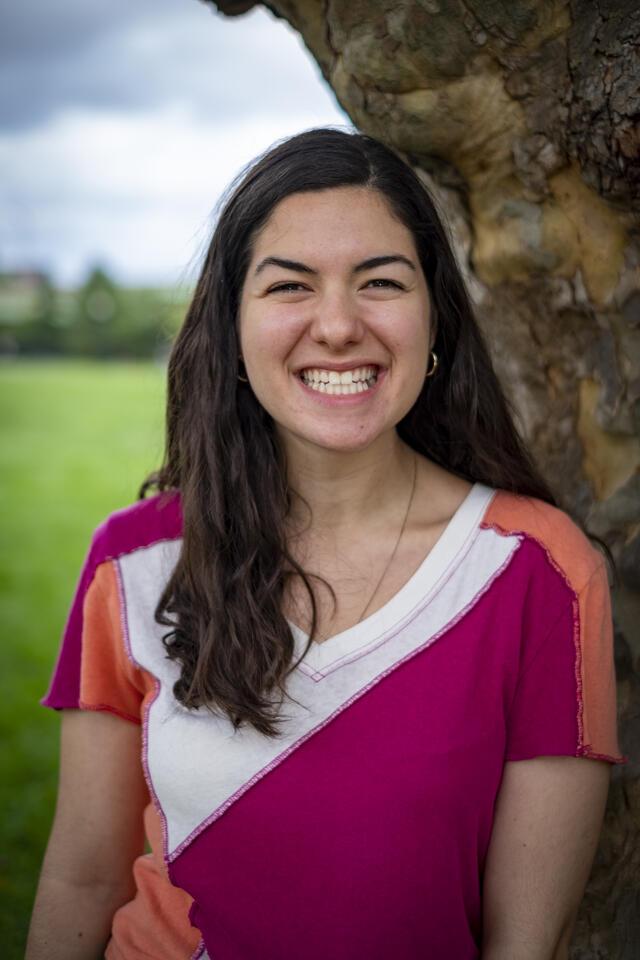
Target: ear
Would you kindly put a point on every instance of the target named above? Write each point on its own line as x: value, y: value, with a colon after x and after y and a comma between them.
x: 433, y: 320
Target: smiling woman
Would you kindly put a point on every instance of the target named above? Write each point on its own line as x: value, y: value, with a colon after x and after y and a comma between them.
x: 351, y: 652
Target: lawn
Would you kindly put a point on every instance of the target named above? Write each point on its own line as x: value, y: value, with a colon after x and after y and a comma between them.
x: 77, y: 439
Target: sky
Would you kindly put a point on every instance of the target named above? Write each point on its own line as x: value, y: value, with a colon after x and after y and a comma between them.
x: 122, y: 122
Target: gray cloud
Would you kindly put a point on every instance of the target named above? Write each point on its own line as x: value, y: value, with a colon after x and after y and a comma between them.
x: 33, y: 31
x: 126, y: 55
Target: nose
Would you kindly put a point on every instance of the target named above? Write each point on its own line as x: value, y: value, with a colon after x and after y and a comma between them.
x: 336, y: 322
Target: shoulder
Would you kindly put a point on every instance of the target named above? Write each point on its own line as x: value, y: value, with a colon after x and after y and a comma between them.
x: 94, y: 668
x: 566, y: 546
x: 138, y: 525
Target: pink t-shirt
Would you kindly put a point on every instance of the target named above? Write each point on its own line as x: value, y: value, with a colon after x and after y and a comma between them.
x: 363, y: 831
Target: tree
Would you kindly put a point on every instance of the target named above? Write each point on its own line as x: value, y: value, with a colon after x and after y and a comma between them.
x: 98, y: 309
x: 29, y: 321
x: 523, y: 117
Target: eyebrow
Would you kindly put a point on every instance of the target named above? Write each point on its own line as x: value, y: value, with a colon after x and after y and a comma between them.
x: 369, y: 264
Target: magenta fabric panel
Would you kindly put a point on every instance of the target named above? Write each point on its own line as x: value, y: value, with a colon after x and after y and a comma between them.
x: 135, y: 526
x: 369, y: 839
x: 547, y: 690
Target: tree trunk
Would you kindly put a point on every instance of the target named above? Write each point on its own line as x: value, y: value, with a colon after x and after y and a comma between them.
x: 523, y: 117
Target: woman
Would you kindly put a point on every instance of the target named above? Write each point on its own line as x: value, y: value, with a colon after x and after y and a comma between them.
x: 365, y: 659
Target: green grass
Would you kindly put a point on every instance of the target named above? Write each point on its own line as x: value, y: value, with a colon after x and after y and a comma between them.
x: 76, y: 440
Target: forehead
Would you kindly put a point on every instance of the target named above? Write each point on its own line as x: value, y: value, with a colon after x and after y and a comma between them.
x: 345, y: 221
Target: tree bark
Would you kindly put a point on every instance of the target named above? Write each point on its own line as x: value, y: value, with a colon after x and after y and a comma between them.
x: 523, y: 117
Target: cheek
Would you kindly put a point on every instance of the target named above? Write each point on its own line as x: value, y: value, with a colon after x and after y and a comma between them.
x: 267, y: 340
x: 269, y: 348
x: 405, y: 336
x: 419, y: 336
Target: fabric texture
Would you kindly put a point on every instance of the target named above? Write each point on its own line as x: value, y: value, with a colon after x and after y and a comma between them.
x: 362, y: 831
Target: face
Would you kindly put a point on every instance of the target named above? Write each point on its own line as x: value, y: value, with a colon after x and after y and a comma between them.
x: 334, y: 319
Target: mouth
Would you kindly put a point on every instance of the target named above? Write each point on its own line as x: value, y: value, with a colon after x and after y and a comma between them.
x: 341, y: 383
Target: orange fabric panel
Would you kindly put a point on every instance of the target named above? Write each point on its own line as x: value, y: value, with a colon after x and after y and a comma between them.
x: 597, y: 669
x: 108, y: 678
x: 583, y: 567
x: 567, y: 546
x: 156, y: 922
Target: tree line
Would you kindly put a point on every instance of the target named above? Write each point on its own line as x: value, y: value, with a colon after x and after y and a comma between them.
x: 99, y: 319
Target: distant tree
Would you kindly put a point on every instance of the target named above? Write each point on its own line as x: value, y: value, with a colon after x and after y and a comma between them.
x: 143, y: 327
x: 45, y: 332
x: 29, y: 314
x: 100, y: 319
x: 97, y: 312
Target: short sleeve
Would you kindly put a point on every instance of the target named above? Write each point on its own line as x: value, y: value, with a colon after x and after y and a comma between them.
x: 94, y: 670
x: 565, y: 698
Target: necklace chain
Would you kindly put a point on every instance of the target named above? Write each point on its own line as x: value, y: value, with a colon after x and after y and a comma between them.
x: 395, y: 549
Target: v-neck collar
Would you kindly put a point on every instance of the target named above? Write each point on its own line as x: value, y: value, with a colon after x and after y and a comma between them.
x: 416, y: 593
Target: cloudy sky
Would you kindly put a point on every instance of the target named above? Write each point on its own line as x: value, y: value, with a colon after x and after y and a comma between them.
x: 122, y: 122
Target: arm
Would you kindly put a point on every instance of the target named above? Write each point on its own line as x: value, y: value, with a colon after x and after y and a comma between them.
x: 548, y: 818
x: 97, y: 833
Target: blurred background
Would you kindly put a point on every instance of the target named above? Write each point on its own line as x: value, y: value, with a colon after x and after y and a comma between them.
x: 120, y: 126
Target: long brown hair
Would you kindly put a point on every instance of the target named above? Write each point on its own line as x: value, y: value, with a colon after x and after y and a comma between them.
x: 223, y: 601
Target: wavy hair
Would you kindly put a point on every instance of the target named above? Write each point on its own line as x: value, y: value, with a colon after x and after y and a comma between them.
x: 223, y: 601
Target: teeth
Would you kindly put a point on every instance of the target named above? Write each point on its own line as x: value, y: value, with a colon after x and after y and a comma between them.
x: 362, y: 378
x: 339, y: 389
x: 342, y: 388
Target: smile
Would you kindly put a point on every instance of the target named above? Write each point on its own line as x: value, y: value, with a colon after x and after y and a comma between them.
x: 340, y: 383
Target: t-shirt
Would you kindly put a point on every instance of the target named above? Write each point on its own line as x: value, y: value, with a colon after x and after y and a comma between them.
x: 362, y: 831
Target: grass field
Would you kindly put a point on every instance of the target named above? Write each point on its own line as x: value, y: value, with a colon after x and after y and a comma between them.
x: 77, y: 439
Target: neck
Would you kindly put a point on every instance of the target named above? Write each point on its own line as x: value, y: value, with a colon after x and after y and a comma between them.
x: 348, y: 490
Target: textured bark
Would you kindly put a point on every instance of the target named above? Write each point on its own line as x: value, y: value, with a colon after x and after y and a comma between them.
x: 523, y: 116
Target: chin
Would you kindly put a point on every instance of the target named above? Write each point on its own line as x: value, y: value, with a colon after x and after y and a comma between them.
x: 336, y: 443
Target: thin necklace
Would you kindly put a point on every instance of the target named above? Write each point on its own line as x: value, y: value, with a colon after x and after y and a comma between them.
x: 404, y: 523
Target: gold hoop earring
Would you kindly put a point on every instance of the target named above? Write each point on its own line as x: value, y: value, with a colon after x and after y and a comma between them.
x: 431, y: 372
x: 243, y: 379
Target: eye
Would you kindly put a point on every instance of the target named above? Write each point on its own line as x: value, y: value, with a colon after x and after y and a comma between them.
x: 285, y: 287
x: 390, y: 283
